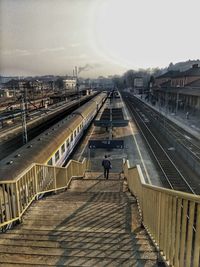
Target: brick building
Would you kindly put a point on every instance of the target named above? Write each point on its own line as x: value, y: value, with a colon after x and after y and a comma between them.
x: 179, y: 90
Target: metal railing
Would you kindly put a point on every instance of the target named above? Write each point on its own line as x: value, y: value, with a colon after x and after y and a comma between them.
x: 17, y: 195
x: 171, y: 218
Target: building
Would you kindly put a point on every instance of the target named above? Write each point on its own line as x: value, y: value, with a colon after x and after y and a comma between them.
x: 165, y: 79
x: 178, y: 78
x: 101, y: 83
x: 5, y: 93
x: 138, y: 85
x: 178, y: 90
x: 138, y: 82
x: 187, y: 77
x: 70, y: 84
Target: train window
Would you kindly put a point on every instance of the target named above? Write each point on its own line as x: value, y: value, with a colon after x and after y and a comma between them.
x: 50, y: 162
x: 57, y: 156
x: 74, y: 133
x: 78, y: 129
x: 71, y: 139
x: 67, y: 142
x: 63, y: 148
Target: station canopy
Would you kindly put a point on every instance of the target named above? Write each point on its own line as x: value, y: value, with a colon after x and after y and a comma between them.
x: 112, y: 118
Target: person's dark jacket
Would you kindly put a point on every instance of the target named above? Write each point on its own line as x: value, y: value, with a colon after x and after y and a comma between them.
x: 106, y: 164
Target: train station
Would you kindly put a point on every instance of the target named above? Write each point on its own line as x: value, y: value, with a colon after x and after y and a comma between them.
x: 61, y: 205
x: 99, y: 133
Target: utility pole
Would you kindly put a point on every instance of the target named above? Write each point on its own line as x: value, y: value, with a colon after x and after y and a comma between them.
x: 177, y: 100
x: 23, y: 115
x: 110, y: 133
x: 77, y: 85
x: 111, y: 100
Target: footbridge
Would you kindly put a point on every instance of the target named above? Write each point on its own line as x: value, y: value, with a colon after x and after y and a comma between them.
x: 53, y: 216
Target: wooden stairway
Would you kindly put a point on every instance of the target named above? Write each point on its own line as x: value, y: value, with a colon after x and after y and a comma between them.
x: 88, y: 225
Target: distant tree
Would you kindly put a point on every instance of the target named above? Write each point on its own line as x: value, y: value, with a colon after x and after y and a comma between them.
x: 59, y: 83
x: 129, y: 78
x: 152, y: 79
x: 151, y: 82
x: 118, y: 82
x: 171, y: 66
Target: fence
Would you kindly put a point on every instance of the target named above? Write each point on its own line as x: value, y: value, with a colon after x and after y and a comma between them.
x: 171, y: 218
x: 17, y: 195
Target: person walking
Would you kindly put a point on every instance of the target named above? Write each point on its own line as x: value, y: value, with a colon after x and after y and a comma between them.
x: 107, y: 166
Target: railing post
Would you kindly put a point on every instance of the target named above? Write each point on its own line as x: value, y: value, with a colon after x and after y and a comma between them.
x: 1, y: 211
x: 197, y: 239
x: 159, y: 219
x: 183, y: 232
x: 190, y: 233
x: 178, y: 226
x: 71, y: 169
x: 142, y: 205
x: 17, y: 199
x: 55, y: 182
x: 162, y: 212
x: 172, y: 246
x: 36, y: 179
x: 66, y: 176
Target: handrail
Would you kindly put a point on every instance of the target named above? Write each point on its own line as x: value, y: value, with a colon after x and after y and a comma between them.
x: 171, y: 218
x: 17, y: 195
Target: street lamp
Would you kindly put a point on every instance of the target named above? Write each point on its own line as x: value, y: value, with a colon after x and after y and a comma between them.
x: 23, y: 115
x: 177, y: 100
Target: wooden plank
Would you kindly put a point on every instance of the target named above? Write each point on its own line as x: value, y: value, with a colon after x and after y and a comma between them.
x: 190, y: 234
x: 197, y: 239
x: 183, y: 232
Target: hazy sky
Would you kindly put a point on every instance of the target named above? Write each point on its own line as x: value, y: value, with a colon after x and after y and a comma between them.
x: 109, y: 36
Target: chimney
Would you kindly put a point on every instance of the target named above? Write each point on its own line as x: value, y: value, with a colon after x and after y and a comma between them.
x: 195, y: 66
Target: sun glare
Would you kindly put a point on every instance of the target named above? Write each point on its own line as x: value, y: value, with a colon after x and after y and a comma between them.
x: 113, y: 30
x: 140, y: 33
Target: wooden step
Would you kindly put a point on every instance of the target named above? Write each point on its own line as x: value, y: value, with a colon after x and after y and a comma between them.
x: 141, y: 263
x: 120, y: 240
x: 88, y: 225
x: 88, y: 243
x: 93, y: 185
x: 45, y: 260
x: 140, y: 234
x: 72, y: 196
x: 144, y: 253
x: 100, y: 175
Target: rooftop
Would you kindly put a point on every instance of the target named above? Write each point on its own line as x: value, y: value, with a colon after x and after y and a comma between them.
x: 169, y: 74
x: 194, y: 71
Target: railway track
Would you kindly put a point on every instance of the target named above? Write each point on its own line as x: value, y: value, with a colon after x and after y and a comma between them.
x: 172, y: 174
x: 188, y: 141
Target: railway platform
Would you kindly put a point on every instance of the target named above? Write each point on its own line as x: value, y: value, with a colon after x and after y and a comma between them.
x: 134, y: 148
x: 190, y: 124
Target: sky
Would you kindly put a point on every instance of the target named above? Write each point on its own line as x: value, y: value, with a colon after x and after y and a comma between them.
x: 100, y: 37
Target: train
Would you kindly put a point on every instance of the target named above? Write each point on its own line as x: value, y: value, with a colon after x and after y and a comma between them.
x: 54, y: 145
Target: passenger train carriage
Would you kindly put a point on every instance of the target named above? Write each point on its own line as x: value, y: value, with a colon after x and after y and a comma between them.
x: 53, y: 146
